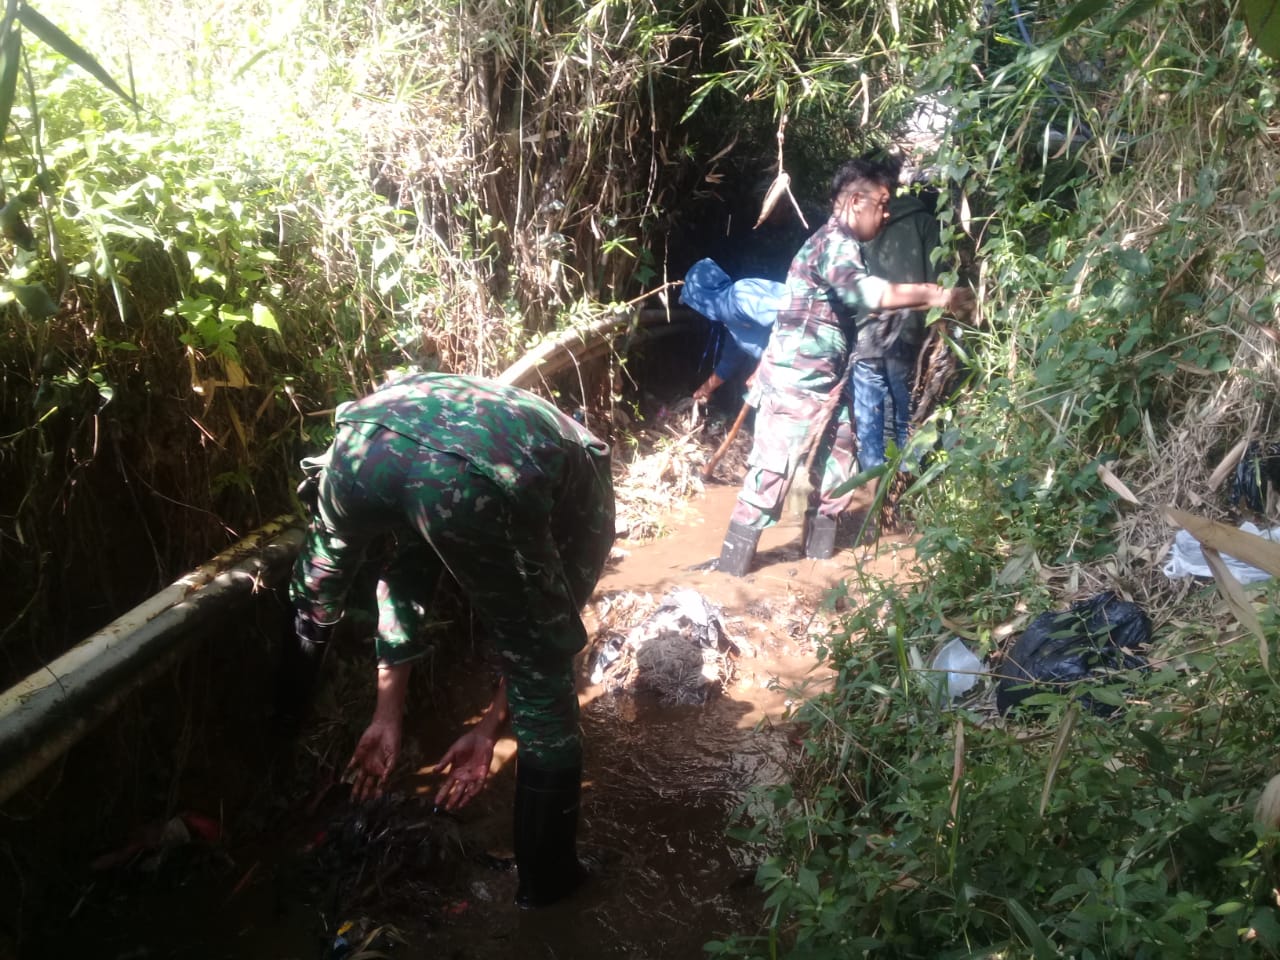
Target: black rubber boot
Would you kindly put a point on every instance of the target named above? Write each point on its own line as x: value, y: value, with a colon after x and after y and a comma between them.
x: 820, y: 537
x: 738, y: 549
x: 300, y: 661
x: 546, y: 834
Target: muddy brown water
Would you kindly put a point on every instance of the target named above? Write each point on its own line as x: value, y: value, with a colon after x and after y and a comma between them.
x: 402, y: 880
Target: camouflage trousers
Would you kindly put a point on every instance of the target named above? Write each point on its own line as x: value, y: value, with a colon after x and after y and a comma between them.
x: 526, y: 572
x: 783, y: 421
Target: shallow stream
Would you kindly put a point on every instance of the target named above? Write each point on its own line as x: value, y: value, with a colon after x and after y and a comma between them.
x: 327, y: 880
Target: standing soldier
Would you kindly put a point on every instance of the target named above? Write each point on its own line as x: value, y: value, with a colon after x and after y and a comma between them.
x: 802, y: 373
x: 514, y: 500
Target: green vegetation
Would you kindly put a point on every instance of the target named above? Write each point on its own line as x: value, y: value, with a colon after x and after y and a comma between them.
x: 1113, y: 181
x: 215, y: 230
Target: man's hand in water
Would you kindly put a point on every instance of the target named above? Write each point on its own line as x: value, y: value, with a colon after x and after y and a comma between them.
x: 471, y: 756
x: 379, y: 747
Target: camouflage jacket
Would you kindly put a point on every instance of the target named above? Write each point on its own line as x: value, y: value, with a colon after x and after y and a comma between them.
x: 829, y: 290
x: 512, y: 437
x: 526, y: 452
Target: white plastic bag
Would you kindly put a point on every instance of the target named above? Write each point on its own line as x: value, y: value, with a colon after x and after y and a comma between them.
x: 1186, y: 559
x: 961, y: 665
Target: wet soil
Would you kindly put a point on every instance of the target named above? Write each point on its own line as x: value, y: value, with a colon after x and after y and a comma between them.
x: 323, y: 879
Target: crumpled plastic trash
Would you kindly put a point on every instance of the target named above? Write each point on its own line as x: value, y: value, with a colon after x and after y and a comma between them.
x: 1257, y: 474
x: 363, y: 938
x: 1094, y: 638
x: 680, y: 651
x: 1186, y: 558
x: 962, y: 668
x: 151, y: 842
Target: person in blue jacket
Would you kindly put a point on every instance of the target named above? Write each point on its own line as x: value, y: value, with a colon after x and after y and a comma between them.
x: 745, y: 308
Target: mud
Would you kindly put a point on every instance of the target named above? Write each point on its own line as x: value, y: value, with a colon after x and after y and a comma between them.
x: 310, y: 876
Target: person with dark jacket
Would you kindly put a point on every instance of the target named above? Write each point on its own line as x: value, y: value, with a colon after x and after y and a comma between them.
x: 889, y: 341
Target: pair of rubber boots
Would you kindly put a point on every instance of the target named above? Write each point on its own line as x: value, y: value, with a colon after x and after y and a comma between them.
x: 545, y: 832
x: 739, y: 547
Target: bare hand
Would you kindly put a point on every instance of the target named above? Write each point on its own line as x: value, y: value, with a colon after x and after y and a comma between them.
x: 469, y: 760
x: 374, y: 758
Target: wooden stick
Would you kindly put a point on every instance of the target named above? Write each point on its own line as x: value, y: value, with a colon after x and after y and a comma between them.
x: 728, y: 440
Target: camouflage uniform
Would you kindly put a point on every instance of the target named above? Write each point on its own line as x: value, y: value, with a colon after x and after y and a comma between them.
x: 830, y: 290
x: 496, y: 487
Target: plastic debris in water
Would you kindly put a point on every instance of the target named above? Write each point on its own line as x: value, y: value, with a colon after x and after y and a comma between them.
x: 680, y: 651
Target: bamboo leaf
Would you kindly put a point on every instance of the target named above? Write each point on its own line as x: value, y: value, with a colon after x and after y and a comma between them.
x: 724, y: 152
x: 1263, y: 19
x: 1041, y: 948
x: 1116, y: 485
x: 861, y: 479
x: 64, y: 45
x: 1081, y: 12
x: 1131, y: 11
x: 1020, y: 561
x: 1058, y: 755
x: 1228, y: 464
x: 1234, y: 594
x: 35, y: 300
x: 780, y: 186
x: 957, y: 764
x: 10, y: 57
x: 1252, y: 549
x: 239, y: 427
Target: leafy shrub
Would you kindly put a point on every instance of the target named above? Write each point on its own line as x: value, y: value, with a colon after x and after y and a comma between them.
x: 918, y: 833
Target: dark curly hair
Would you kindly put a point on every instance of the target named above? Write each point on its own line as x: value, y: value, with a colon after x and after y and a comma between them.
x: 867, y: 170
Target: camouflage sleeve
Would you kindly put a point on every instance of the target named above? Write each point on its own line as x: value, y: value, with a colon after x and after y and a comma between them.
x: 406, y: 590
x: 844, y: 268
x: 324, y: 571
x: 326, y: 568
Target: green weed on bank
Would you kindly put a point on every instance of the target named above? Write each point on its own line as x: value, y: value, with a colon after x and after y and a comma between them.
x: 915, y: 832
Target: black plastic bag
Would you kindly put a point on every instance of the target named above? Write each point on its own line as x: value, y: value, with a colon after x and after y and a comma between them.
x: 1257, y: 470
x: 1091, y: 639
